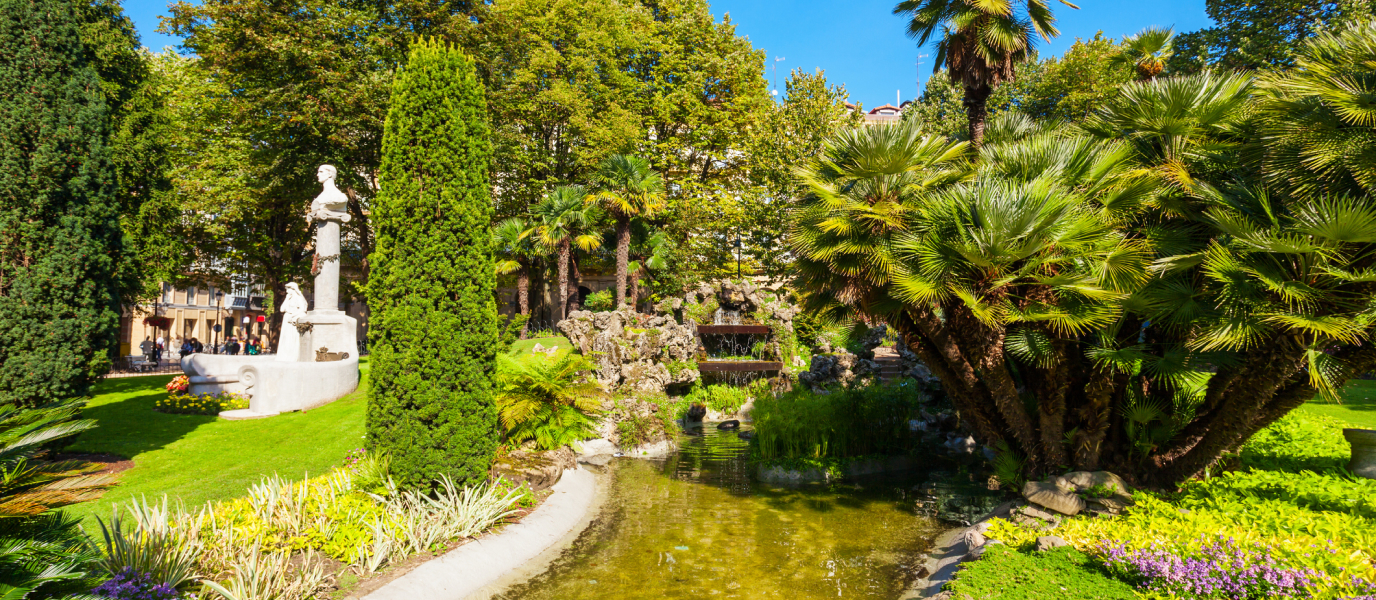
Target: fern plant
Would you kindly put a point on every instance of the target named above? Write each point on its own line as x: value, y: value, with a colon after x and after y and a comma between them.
x: 553, y: 401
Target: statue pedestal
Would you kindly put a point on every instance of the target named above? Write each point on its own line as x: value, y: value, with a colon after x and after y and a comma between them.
x: 332, y: 332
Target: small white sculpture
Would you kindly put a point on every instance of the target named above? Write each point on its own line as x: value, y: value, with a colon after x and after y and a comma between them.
x: 331, y: 204
x: 293, y: 309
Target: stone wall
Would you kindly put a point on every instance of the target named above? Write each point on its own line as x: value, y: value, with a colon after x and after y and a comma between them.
x: 633, y: 352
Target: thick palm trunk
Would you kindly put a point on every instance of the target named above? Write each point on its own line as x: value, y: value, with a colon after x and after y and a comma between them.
x: 623, y: 257
x: 575, y: 281
x: 561, y: 291
x: 977, y: 111
x: 635, y: 289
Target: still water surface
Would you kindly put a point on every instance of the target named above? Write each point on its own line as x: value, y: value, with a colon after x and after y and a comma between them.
x: 695, y: 525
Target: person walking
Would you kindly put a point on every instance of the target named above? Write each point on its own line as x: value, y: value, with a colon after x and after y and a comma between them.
x: 158, y: 350
x: 232, y: 346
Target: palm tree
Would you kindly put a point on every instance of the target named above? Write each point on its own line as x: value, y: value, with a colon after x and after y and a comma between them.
x: 981, y: 43
x: 1318, y: 119
x: 652, y: 255
x: 629, y: 189
x: 514, y: 243
x: 563, y: 221
x: 1147, y: 52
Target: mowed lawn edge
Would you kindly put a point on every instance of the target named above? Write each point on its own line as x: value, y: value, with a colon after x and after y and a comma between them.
x: 198, y: 459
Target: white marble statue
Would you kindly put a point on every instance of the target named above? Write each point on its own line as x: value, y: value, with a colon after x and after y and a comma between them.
x: 331, y: 204
x: 293, y: 309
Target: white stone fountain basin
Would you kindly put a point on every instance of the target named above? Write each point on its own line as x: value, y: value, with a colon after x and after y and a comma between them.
x: 273, y: 386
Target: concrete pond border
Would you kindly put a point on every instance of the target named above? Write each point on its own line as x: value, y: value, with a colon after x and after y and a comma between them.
x: 485, y: 567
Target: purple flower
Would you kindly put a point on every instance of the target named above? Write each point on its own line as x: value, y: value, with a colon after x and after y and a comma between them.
x: 131, y: 585
x: 1218, y: 568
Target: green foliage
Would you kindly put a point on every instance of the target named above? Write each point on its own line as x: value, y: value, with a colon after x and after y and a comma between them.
x: 599, y: 301
x: 635, y: 429
x: 40, y: 548
x: 1298, y: 442
x: 511, y: 329
x: 1009, y: 467
x: 155, y: 552
x: 204, y: 404
x: 677, y: 367
x: 1319, y: 519
x: 722, y: 398
x: 844, y: 423
x: 62, y: 248
x: 430, y: 404
x: 1009, y: 574
x: 48, y: 556
x: 1317, y: 120
x: 1259, y: 34
x: 554, y: 401
x: 701, y: 312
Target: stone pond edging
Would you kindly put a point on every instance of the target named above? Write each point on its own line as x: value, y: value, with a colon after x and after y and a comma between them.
x: 486, y: 566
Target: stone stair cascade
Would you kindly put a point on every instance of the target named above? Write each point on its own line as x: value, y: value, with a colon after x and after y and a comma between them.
x: 890, y: 365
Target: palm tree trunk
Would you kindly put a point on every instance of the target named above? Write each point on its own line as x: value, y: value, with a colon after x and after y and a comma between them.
x: 635, y: 288
x: 575, y: 282
x: 562, y: 291
x: 976, y: 108
x: 623, y: 257
x: 523, y: 289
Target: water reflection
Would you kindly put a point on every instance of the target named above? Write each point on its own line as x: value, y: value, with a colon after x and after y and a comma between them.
x: 696, y: 525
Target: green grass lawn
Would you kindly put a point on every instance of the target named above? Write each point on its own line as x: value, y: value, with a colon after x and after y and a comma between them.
x: 1358, y: 405
x: 524, y: 347
x: 202, y: 459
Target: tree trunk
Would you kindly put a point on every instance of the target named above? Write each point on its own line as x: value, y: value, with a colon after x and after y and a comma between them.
x: 635, y: 289
x: 623, y: 256
x: 523, y: 289
x: 561, y: 291
x: 574, y: 302
x: 976, y: 109
x: 523, y: 296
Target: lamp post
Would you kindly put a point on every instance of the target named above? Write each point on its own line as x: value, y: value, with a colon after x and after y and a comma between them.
x: 219, y: 302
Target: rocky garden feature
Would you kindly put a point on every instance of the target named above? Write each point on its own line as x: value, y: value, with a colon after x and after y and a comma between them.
x: 633, y: 352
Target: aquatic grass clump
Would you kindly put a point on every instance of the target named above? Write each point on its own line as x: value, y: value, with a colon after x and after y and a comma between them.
x: 843, y: 423
x: 1219, y: 568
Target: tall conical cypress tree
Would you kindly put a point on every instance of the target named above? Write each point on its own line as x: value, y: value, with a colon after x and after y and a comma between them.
x: 59, y: 229
x: 433, y: 330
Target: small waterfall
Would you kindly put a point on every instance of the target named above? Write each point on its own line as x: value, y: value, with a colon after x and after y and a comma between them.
x: 726, y: 317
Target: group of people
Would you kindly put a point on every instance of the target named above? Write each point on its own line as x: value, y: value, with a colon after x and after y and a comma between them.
x: 154, y: 350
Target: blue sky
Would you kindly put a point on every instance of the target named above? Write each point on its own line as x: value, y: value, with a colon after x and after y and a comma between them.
x: 858, y: 42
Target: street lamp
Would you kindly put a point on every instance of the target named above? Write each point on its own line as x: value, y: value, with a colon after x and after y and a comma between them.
x: 219, y: 302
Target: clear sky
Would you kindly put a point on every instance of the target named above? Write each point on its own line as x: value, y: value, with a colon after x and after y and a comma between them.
x: 857, y: 42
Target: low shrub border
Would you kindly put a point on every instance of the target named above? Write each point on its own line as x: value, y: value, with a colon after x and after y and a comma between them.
x: 1290, y: 524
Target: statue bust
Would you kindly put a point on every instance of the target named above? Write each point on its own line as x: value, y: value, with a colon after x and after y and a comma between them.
x: 331, y: 204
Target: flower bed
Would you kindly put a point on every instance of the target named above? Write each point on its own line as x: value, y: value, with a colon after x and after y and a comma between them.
x: 204, y: 404
x: 279, y: 540
x: 1246, y: 534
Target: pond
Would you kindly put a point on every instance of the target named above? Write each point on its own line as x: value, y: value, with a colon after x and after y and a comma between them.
x: 696, y: 525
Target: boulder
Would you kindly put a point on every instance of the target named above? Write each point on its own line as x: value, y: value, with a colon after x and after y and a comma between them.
x: 1084, y: 480
x: 696, y: 412
x: 538, y: 469
x: 732, y: 424
x: 1048, y: 542
x: 597, y: 446
x: 1049, y: 495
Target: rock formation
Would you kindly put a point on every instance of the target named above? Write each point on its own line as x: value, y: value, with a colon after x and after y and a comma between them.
x: 633, y: 352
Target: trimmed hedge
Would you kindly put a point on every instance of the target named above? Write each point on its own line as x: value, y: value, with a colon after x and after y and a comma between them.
x: 433, y: 329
